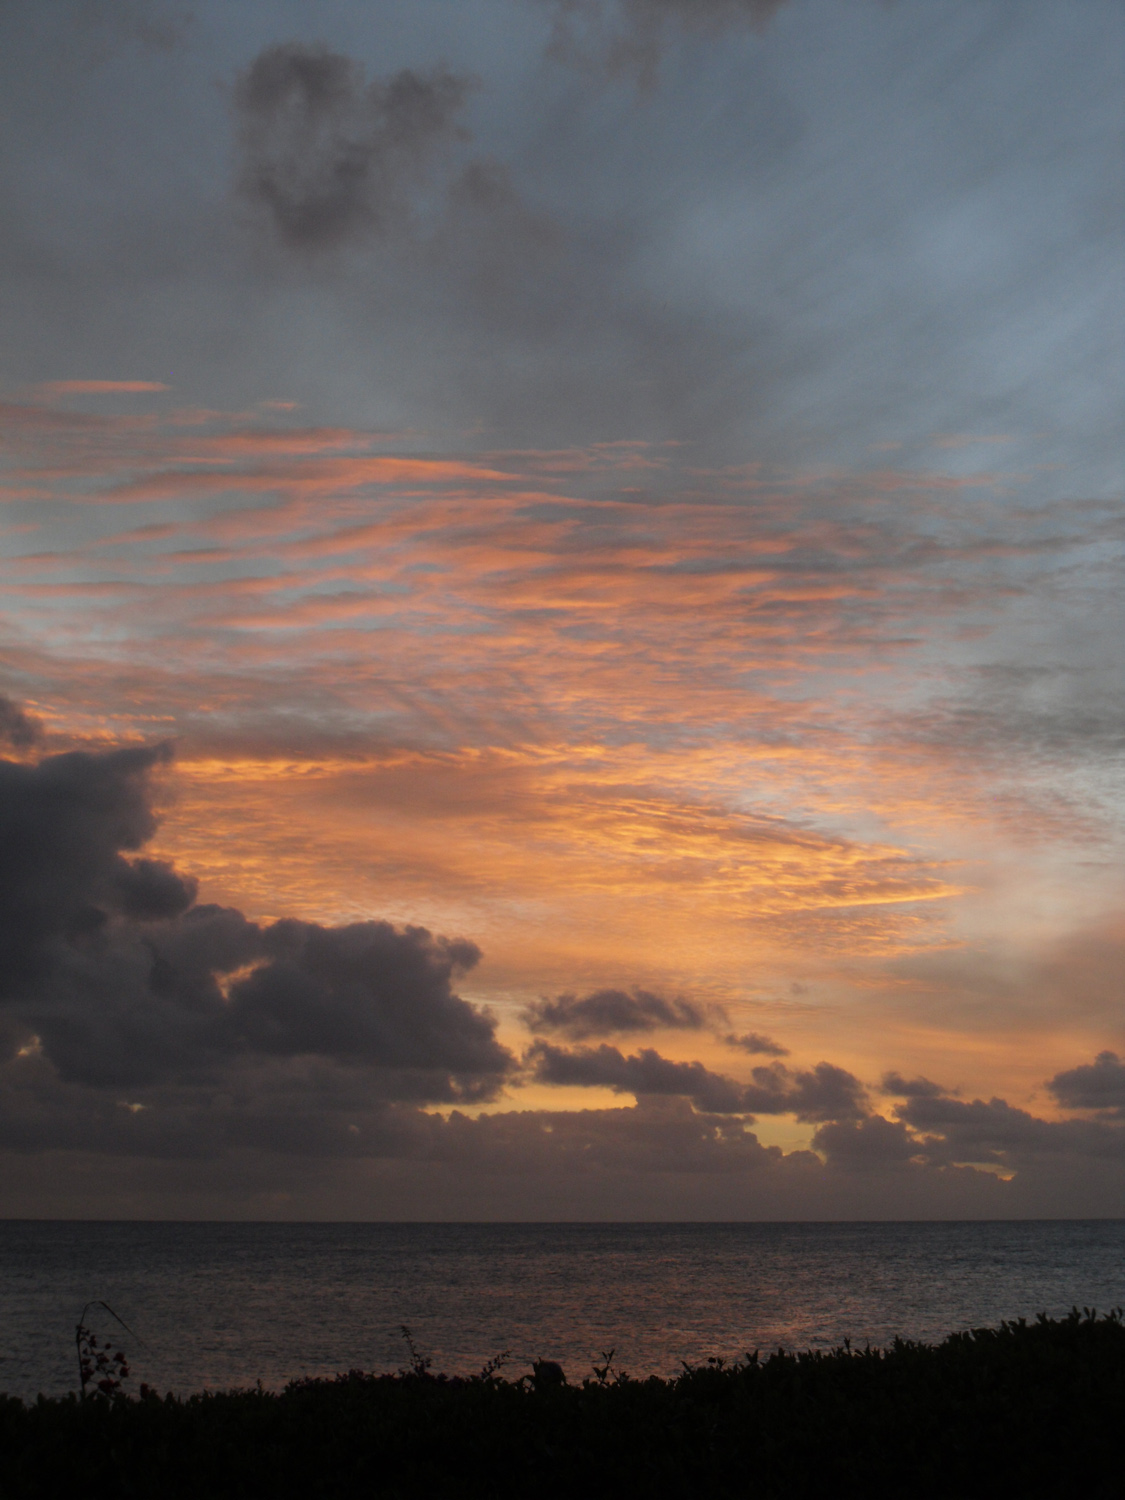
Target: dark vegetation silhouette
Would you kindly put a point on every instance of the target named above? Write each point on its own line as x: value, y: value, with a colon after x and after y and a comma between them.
x: 99, y: 1364
x: 1028, y: 1409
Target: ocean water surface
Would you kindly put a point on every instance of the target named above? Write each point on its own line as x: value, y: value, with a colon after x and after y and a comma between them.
x: 221, y: 1305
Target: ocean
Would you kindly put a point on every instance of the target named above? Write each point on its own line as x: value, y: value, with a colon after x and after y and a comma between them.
x: 213, y: 1306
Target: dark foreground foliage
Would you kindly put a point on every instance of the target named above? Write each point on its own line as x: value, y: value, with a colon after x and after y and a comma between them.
x: 1022, y: 1410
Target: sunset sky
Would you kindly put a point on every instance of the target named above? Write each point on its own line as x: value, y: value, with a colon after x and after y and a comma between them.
x: 630, y: 487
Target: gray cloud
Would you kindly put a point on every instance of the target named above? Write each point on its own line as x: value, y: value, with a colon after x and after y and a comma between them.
x: 911, y: 1088
x: 613, y: 1012
x: 328, y: 156
x: 366, y: 992
x: 994, y: 1131
x: 641, y: 1074
x: 63, y: 825
x: 1096, y: 1085
x: 755, y: 1042
x: 125, y: 982
x: 823, y: 1093
x: 873, y: 1144
x: 319, y: 1133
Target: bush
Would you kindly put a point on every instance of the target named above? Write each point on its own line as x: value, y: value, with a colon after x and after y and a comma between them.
x: 1020, y: 1410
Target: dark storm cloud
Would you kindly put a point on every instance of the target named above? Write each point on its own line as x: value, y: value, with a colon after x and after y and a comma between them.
x: 1096, y: 1085
x: 17, y: 728
x: 613, y: 1012
x: 124, y: 981
x: 329, y: 156
x: 629, y: 36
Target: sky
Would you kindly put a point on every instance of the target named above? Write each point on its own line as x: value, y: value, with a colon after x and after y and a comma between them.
x: 561, y: 609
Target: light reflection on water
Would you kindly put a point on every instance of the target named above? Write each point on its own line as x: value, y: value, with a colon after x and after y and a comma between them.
x: 221, y: 1305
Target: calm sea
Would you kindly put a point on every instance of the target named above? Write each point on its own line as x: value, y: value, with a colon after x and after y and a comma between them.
x: 221, y: 1305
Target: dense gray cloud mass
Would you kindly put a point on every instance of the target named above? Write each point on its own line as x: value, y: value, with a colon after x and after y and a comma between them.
x: 993, y: 1132
x: 365, y: 992
x: 329, y: 156
x: 125, y: 982
x: 63, y: 825
x: 612, y: 1012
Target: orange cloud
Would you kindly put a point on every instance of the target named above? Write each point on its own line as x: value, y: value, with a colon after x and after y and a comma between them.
x: 689, y: 734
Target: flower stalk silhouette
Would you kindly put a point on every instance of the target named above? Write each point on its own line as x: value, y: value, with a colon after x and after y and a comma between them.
x: 98, y: 1362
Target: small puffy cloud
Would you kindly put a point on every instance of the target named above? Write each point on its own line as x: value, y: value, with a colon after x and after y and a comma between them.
x: 329, y: 156
x: 1096, y: 1085
x: 911, y: 1088
x: 612, y: 1012
x: 757, y: 1044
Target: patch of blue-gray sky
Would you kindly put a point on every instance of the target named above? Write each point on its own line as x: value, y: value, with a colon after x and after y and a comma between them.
x: 859, y: 224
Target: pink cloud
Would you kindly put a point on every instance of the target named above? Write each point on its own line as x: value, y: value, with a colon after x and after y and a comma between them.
x: 98, y: 387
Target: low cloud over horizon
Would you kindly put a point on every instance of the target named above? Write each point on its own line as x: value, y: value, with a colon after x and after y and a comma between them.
x: 139, y: 1024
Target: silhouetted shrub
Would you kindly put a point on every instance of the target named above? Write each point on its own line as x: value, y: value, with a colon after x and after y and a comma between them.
x: 1021, y: 1410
